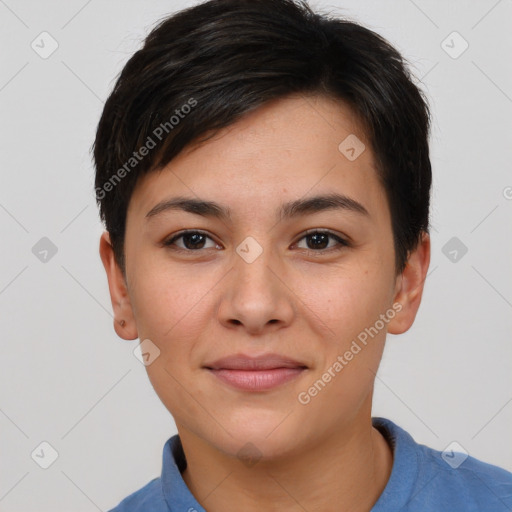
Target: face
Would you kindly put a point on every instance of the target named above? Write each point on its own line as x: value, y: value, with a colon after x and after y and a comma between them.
x: 301, y: 283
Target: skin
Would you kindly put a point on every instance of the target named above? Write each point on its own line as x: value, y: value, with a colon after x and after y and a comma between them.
x: 296, y: 300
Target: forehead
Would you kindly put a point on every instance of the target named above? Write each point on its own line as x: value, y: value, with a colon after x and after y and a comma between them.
x: 290, y: 148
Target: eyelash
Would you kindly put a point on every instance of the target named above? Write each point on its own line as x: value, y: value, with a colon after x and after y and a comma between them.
x: 342, y: 243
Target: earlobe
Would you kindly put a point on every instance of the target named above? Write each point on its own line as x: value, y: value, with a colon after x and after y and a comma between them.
x: 124, y: 322
x: 409, y: 287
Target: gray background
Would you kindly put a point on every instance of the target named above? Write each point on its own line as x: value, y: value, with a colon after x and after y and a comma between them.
x: 67, y: 379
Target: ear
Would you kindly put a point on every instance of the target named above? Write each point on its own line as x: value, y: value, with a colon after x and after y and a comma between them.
x: 409, y: 287
x: 118, y: 291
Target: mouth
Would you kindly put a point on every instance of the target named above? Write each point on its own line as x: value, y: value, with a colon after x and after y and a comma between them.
x: 256, y: 373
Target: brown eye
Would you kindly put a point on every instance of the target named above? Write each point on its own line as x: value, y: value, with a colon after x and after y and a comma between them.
x: 191, y: 241
x: 319, y: 241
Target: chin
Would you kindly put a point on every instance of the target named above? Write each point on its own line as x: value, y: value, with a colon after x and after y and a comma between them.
x: 264, y: 438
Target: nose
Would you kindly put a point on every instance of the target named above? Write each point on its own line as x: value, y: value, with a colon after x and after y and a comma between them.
x: 255, y: 295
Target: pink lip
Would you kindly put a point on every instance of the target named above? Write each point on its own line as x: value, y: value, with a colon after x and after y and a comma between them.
x: 257, y: 380
x: 256, y: 373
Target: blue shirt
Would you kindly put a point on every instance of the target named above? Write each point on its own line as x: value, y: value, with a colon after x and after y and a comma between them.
x: 422, y: 480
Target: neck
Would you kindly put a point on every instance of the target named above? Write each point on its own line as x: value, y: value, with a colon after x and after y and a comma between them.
x: 348, y: 468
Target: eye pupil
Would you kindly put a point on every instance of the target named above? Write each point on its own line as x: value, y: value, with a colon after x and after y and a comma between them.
x: 321, y: 240
x: 196, y: 239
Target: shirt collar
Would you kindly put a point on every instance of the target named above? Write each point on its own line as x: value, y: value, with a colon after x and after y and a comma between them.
x: 174, y: 489
x: 404, y: 472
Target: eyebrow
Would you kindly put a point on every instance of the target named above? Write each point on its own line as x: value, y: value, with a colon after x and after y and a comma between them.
x: 288, y: 210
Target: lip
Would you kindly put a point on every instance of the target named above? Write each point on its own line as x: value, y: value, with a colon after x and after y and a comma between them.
x: 261, y: 362
x: 256, y: 373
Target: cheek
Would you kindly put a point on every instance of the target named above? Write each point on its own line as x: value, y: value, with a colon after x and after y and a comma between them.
x: 172, y: 310
x: 347, y: 300
x: 169, y: 302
